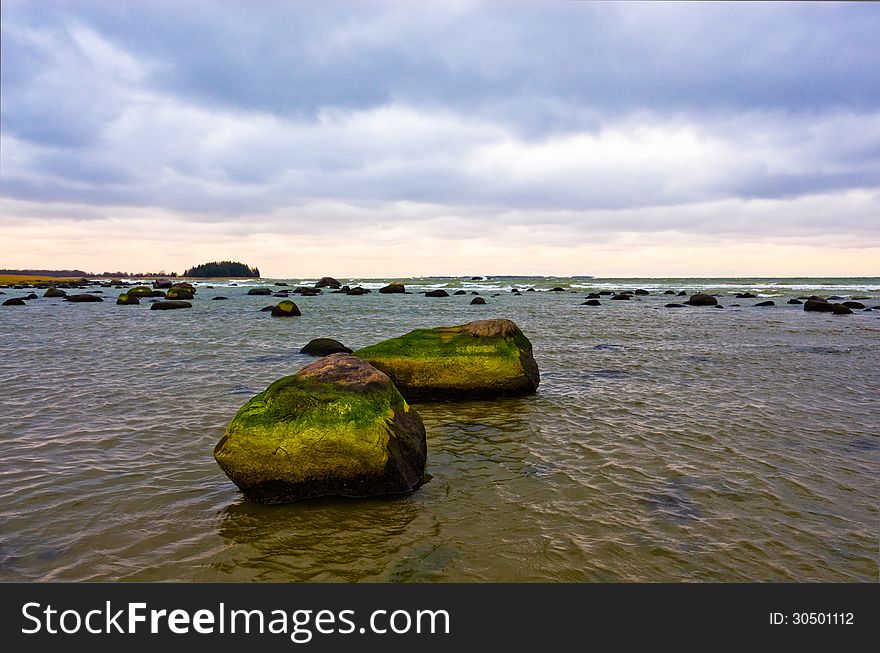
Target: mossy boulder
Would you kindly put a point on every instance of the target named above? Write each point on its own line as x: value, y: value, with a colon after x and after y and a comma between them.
x: 338, y: 427
x: 127, y: 300
x: 486, y: 358
x: 140, y: 291
x: 179, y: 293
x: 285, y: 308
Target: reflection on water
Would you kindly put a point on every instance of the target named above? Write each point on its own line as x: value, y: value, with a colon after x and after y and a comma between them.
x: 662, y: 445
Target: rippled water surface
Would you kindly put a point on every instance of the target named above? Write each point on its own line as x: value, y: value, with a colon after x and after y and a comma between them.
x: 663, y: 445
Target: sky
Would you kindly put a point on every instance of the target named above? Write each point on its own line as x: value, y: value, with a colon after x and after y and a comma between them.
x: 453, y: 138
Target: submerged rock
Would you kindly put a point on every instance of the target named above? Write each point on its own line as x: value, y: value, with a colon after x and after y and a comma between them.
x: 460, y: 292
x: 480, y: 359
x: 324, y: 347
x: 592, y: 302
x: 621, y: 297
x: 328, y: 282
x: 593, y: 295
x: 395, y: 287
x: 169, y: 305
x: 840, y: 309
x: 83, y: 298
x: 15, y: 301
x: 557, y: 289
x: 641, y: 291
x: 259, y: 291
x: 357, y: 291
x: 125, y: 299
x: 745, y: 295
x: 769, y: 302
x: 285, y: 308
x: 477, y: 301
x: 794, y: 301
x: 675, y: 306
x: 219, y: 298
x: 702, y: 299
x: 437, y: 293
x: 849, y: 304
x: 668, y: 292
x: 54, y: 292
x: 338, y: 427
x: 818, y: 305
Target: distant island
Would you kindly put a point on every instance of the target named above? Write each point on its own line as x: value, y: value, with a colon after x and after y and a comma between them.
x: 222, y: 269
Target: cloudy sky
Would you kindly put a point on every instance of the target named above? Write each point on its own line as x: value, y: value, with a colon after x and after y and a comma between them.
x: 373, y: 139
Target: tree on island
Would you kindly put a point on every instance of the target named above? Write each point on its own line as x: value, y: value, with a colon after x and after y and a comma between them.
x: 222, y: 269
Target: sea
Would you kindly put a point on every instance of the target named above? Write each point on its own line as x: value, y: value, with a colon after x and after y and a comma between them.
x: 663, y: 445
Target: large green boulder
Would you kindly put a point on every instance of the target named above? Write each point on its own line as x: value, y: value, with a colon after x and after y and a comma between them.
x: 487, y: 358
x: 178, y: 293
x: 338, y: 427
x: 140, y: 291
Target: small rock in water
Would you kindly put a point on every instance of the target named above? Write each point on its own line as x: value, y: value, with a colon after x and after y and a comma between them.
x: 170, y: 305
x: 54, y: 292
x: 621, y: 297
x: 393, y: 288
x: 324, y: 347
x: 702, y: 299
x: 592, y: 302
x: 557, y: 289
x: 259, y: 291
x: 847, y: 304
x: 818, y: 305
x: 840, y: 309
x: 767, y: 303
x: 478, y: 300
x: 437, y: 293
x: 83, y: 298
x: 460, y: 292
x: 285, y: 309
x: 674, y: 306
x: 218, y: 298
x: 15, y: 301
x: 328, y: 282
x: 125, y: 299
x: 640, y: 291
x: 668, y: 292
x: 794, y: 301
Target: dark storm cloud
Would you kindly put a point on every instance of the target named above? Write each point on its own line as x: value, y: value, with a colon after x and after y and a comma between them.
x: 239, y: 107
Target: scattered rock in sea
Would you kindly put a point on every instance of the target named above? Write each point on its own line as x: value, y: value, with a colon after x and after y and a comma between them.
x: 218, y: 298
x: 850, y: 304
x: 437, y: 293
x: 142, y: 291
x: 393, y: 288
x: 32, y: 295
x: 834, y: 297
x: 162, y: 283
x: 338, y: 427
x: 460, y: 292
x: 557, y: 289
x: 606, y: 292
x: 15, y: 301
x: 324, y: 347
x: 285, y: 308
x: 668, y: 292
x: 592, y: 302
x: 818, y: 305
x: 474, y: 292
x: 169, y: 305
x: 675, y: 306
x: 358, y: 291
x: 282, y: 283
x: 124, y: 299
x: 480, y: 359
x: 259, y: 291
x: 621, y: 297
x: 767, y: 303
x: 702, y: 299
x: 593, y: 295
x: 530, y: 290
x: 86, y: 297
x: 745, y: 295
x: 840, y: 309
x: 794, y: 301
x: 179, y: 293
x: 266, y: 309
x: 328, y: 282
x: 641, y: 291
x: 478, y: 300
x: 682, y: 294
x: 54, y: 292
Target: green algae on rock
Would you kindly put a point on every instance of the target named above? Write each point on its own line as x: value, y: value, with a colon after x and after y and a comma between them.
x: 179, y: 293
x: 126, y: 299
x: 486, y: 358
x: 338, y: 427
x: 285, y: 308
